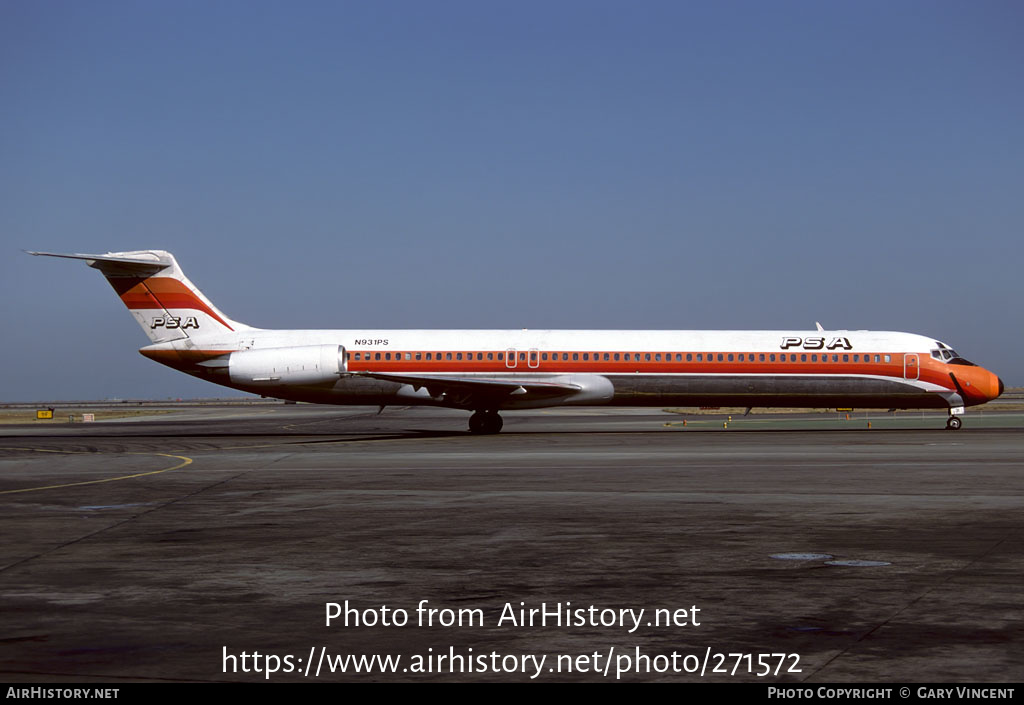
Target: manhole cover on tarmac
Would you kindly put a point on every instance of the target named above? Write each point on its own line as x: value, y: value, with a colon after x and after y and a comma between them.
x: 801, y: 556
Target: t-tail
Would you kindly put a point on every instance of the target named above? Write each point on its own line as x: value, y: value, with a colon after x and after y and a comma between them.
x: 161, y: 298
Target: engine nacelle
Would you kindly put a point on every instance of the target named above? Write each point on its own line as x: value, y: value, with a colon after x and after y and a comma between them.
x: 272, y: 367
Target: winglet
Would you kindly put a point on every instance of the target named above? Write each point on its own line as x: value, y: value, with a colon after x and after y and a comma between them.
x: 819, y: 326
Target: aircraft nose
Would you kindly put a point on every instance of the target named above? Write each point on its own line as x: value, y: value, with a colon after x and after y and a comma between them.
x: 1001, y: 387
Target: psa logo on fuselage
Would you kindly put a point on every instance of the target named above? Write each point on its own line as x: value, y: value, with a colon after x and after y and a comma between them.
x: 816, y: 343
x: 171, y: 322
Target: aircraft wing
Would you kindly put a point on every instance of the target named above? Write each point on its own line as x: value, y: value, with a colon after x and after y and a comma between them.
x: 474, y: 392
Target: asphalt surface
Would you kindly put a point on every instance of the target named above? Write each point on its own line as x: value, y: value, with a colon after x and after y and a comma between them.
x: 166, y: 548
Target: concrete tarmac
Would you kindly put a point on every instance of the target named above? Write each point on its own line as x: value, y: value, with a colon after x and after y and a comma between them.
x: 168, y: 548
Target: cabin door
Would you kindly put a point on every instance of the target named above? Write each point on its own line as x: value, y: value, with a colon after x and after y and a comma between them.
x: 911, y: 370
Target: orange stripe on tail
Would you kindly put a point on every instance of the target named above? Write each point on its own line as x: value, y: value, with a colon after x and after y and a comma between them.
x: 160, y: 293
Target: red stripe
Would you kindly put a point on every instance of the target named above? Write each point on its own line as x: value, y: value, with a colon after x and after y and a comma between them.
x: 161, y: 293
x: 893, y: 369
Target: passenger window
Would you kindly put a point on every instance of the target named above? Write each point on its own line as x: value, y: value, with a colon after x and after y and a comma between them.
x: 803, y: 357
x: 607, y: 357
x: 522, y: 356
x: 647, y: 357
x: 720, y: 358
x: 501, y: 356
x: 689, y: 357
x: 730, y: 357
x: 835, y: 358
x: 586, y: 356
x: 657, y: 357
x: 575, y: 356
x: 447, y: 356
x: 490, y: 356
x: 888, y: 358
x: 376, y: 356
x: 876, y: 358
x: 846, y: 358
x: 760, y: 357
x: 408, y: 356
x: 771, y: 357
x: 814, y: 358
x: 782, y: 357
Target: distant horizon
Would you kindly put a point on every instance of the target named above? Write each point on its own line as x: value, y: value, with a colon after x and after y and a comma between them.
x: 247, y: 397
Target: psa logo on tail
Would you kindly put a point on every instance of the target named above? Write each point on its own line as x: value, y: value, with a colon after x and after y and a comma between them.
x: 172, y: 322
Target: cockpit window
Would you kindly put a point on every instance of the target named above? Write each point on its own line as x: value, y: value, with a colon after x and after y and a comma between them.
x: 949, y: 355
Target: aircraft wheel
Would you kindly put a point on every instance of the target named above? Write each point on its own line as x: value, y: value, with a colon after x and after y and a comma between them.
x: 478, y: 422
x: 953, y: 423
x: 493, y: 422
x: 485, y: 422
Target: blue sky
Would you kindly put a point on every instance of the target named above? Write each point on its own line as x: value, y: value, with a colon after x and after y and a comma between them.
x: 510, y: 164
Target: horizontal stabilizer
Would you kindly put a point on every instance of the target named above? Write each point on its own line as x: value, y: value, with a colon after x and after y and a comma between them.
x: 114, y: 264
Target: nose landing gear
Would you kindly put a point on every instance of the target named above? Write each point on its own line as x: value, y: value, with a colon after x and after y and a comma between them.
x: 485, y: 422
x: 953, y: 422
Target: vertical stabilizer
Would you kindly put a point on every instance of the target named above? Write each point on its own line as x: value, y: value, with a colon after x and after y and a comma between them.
x: 159, y: 295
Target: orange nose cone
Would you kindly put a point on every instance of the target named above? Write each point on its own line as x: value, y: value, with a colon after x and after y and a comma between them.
x: 995, y: 386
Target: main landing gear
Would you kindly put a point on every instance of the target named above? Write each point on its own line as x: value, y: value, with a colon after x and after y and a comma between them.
x: 485, y: 422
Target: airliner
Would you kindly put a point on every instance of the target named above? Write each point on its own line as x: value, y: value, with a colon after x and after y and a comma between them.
x: 487, y: 371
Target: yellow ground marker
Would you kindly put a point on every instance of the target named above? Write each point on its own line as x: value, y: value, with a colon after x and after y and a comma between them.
x: 184, y: 461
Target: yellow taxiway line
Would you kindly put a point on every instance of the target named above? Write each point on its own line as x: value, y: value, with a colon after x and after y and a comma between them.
x: 184, y: 461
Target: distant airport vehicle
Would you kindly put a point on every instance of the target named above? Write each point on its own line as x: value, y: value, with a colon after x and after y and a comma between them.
x: 485, y: 371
